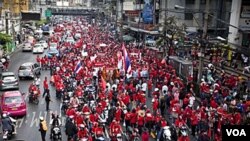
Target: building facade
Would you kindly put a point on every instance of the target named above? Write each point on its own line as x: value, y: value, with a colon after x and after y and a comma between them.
x: 224, y: 16
x: 16, y: 6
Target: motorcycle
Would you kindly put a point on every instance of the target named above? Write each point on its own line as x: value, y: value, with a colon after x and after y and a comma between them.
x: 56, y: 133
x: 7, y: 135
x: 33, y: 98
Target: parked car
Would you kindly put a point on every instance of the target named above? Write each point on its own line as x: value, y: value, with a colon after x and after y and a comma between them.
x: 38, y: 48
x: 44, y: 44
x: 13, y: 103
x: 8, y: 80
x: 27, y: 47
x: 51, y: 52
x: 29, y: 70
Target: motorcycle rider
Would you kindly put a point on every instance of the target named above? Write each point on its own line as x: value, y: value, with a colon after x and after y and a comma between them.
x: 7, y: 123
x: 55, y: 121
x: 115, y: 129
x: 82, y: 132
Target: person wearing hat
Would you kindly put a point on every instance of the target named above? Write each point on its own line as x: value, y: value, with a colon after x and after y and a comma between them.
x: 156, y: 92
x: 43, y: 128
x: 82, y: 132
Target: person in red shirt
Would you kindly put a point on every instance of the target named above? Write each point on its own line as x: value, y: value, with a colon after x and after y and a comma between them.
x: 99, y: 131
x: 145, y: 136
x: 127, y: 118
x: 133, y: 118
x: 38, y: 60
x: 83, y: 132
x: 163, y: 122
x: 118, y: 114
x: 150, y: 86
x: 194, y: 122
x: 179, y: 122
x: 115, y: 129
x: 79, y: 119
x: 45, y: 86
x: 156, y: 93
x: 70, y: 112
x: 155, y: 104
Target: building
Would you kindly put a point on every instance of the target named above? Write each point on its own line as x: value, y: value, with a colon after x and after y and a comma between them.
x: 224, y: 16
x: 16, y: 6
x: 240, y: 17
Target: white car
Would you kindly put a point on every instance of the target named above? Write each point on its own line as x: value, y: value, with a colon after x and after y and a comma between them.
x: 38, y: 48
x: 44, y: 44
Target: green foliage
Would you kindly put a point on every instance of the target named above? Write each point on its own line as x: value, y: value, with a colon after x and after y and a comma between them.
x: 171, y: 27
x: 41, y: 22
x: 5, y: 38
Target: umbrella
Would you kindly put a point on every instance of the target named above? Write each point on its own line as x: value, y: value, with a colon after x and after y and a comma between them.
x: 127, y: 38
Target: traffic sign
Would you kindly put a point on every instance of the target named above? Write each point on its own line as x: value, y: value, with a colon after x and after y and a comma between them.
x: 48, y: 13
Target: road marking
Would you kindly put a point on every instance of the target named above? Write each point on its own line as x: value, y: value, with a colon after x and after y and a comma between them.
x: 60, y: 115
x: 34, y: 120
x: 26, y: 96
x: 20, y: 122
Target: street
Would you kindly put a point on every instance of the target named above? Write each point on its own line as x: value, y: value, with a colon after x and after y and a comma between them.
x: 27, y: 127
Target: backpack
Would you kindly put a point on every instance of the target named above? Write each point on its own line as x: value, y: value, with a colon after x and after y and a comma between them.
x: 44, y: 126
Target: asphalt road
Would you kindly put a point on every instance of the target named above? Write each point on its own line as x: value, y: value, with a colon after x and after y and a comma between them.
x: 27, y: 127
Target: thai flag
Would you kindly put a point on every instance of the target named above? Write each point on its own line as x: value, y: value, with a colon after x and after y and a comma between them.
x: 78, y: 67
x: 126, y: 60
x: 120, y: 60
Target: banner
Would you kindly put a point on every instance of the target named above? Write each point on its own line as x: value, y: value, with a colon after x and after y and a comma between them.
x: 147, y: 13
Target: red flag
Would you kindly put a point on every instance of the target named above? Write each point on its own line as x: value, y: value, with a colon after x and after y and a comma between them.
x: 103, y: 84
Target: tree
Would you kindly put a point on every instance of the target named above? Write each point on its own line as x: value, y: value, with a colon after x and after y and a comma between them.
x: 171, y: 30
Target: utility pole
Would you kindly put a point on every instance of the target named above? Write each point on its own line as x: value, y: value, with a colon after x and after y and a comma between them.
x: 7, y: 22
x: 121, y: 20
x: 154, y: 14
x: 204, y: 37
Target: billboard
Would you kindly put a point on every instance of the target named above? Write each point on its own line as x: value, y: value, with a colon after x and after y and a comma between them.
x: 30, y: 15
x: 147, y: 12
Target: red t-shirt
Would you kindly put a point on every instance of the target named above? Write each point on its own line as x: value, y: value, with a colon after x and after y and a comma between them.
x: 145, y: 136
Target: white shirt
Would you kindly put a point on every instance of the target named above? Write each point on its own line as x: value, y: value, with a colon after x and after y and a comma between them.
x: 165, y: 88
x: 114, y: 86
x: 108, y: 86
x: 144, y: 87
x: 191, y: 100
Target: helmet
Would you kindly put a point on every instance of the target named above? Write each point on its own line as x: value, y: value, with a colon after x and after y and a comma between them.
x: 41, y: 118
x: 4, y: 115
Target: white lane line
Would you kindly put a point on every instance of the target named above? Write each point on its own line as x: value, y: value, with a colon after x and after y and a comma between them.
x: 60, y: 115
x: 26, y: 97
x: 35, y: 120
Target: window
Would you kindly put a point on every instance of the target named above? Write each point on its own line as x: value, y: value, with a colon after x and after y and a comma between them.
x: 13, y: 100
x: 190, y: 1
x: 189, y: 16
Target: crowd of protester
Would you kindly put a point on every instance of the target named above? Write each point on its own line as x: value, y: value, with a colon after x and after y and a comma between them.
x: 145, y: 100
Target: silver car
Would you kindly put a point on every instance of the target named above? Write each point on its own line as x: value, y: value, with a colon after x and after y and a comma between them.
x: 8, y: 80
x: 29, y: 70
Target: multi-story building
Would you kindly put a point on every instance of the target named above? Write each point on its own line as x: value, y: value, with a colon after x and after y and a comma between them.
x: 224, y: 16
x: 16, y: 6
